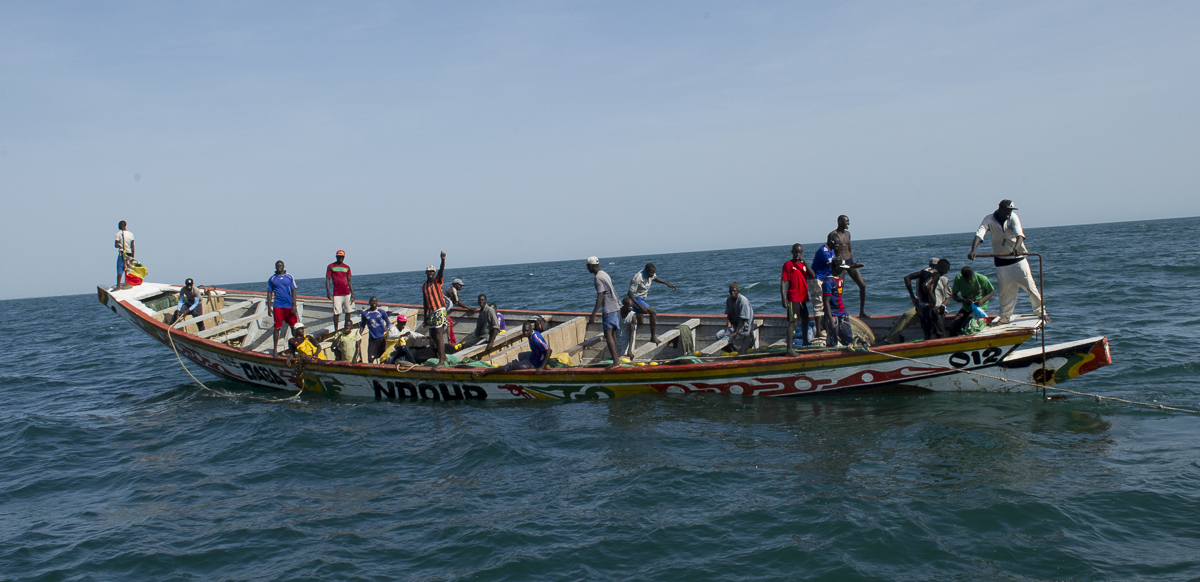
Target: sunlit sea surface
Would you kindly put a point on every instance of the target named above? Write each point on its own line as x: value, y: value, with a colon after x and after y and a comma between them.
x: 114, y: 465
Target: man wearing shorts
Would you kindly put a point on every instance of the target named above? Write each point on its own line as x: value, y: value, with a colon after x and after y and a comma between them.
x: 435, y: 309
x: 639, y: 289
x: 820, y: 266
x: 342, y: 293
x: 375, y: 321
x: 793, y: 290
x: 281, y: 289
x: 125, y: 248
x: 606, y: 298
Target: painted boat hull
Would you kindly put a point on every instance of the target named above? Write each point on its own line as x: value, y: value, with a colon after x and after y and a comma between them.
x: 940, y: 365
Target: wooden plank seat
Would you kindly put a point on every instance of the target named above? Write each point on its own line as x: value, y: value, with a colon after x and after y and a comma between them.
x: 719, y: 345
x: 212, y: 314
x: 648, y: 347
x: 559, y: 338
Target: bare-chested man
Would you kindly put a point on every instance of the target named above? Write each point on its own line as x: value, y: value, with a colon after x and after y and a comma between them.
x: 839, y: 242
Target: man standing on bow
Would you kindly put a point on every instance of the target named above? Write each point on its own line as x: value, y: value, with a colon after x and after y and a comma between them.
x: 125, y: 248
x: 839, y: 241
x: 342, y: 294
x: 1012, y: 271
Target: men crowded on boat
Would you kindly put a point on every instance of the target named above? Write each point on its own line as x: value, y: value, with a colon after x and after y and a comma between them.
x: 189, y: 304
x: 375, y: 321
x: 973, y: 290
x: 342, y: 293
x: 1012, y: 271
x: 837, y: 321
x: 435, y: 309
x: 740, y: 316
x: 606, y: 299
x: 932, y: 294
x: 793, y: 291
x: 839, y: 240
x: 487, y: 326
x: 281, y: 290
x: 639, y: 291
x: 125, y: 249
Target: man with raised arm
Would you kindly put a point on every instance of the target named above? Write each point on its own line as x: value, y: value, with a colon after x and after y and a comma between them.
x: 793, y: 290
x: 281, y: 291
x: 435, y: 308
x: 125, y: 248
x: 606, y: 299
x: 839, y: 241
x: 1012, y: 271
x: 342, y: 294
x: 639, y: 290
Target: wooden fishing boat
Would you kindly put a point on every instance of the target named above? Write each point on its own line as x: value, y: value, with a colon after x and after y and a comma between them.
x: 236, y: 345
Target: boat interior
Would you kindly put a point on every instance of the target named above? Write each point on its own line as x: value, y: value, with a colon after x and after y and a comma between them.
x: 241, y: 319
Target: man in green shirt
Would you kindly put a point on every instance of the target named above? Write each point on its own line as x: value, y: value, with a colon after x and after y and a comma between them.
x: 969, y: 288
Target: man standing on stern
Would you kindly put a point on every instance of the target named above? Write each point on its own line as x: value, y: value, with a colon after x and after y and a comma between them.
x: 793, y: 290
x: 435, y: 309
x: 281, y: 289
x: 342, y: 293
x: 606, y: 298
x: 639, y: 290
x: 1011, y: 271
x: 839, y: 241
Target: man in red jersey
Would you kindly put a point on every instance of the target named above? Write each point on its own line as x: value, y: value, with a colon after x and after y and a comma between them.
x: 342, y: 294
x: 793, y: 290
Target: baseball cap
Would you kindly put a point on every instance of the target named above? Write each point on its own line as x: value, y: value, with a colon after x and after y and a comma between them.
x: 1007, y: 205
x: 456, y: 281
x: 430, y: 268
x: 401, y: 317
x: 593, y: 260
x: 341, y: 253
x: 933, y: 261
x: 298, y: 325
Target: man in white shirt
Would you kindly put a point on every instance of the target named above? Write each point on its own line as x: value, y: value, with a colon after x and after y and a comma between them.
x: 1012, y: 272
x: 124, y: 245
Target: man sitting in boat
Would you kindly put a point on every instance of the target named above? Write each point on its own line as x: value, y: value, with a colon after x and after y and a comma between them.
x: 740, y: 315
x: 305, y: 345
x: 535, y: 359
x: 402, y: 342
x: 189, y: 304
x: 973, y: 290
x: 933, y: 292
x: 487, y: 326
x: 374, y: 320
x: 345, y: 344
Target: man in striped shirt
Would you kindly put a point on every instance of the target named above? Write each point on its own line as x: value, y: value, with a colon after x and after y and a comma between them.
x: 435, y: 308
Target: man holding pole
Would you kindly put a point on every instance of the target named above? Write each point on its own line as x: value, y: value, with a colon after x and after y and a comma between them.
x: 1008, y: 254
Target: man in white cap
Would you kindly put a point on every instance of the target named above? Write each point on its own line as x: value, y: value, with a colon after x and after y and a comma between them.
x: 606, y: 299
x: 1012, y: 271
x: 435, y: 309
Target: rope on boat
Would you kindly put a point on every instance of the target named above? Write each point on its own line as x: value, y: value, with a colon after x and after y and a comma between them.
x: 1097, y: 397
x: 295, y: 396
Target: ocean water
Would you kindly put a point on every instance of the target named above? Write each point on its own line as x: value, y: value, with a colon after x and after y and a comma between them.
x: 114, y: 465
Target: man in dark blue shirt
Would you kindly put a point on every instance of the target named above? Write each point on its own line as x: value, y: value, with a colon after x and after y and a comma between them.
x: 375, y: 320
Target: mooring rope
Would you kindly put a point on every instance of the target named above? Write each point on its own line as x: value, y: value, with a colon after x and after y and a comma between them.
x: 293, y: 397
x: 1097, y: 397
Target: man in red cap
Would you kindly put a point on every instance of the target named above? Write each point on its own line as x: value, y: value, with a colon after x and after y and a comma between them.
x: 343, y: 289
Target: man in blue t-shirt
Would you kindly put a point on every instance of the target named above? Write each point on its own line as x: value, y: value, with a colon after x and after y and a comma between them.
x: 281, y: 289
x: 820, y: 266
x: 375, y: 320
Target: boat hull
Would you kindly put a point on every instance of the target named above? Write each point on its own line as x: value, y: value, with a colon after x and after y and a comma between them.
x: 945, y: 364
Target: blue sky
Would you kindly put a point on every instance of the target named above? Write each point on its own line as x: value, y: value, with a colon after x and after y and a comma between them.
x: 232, y: 134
